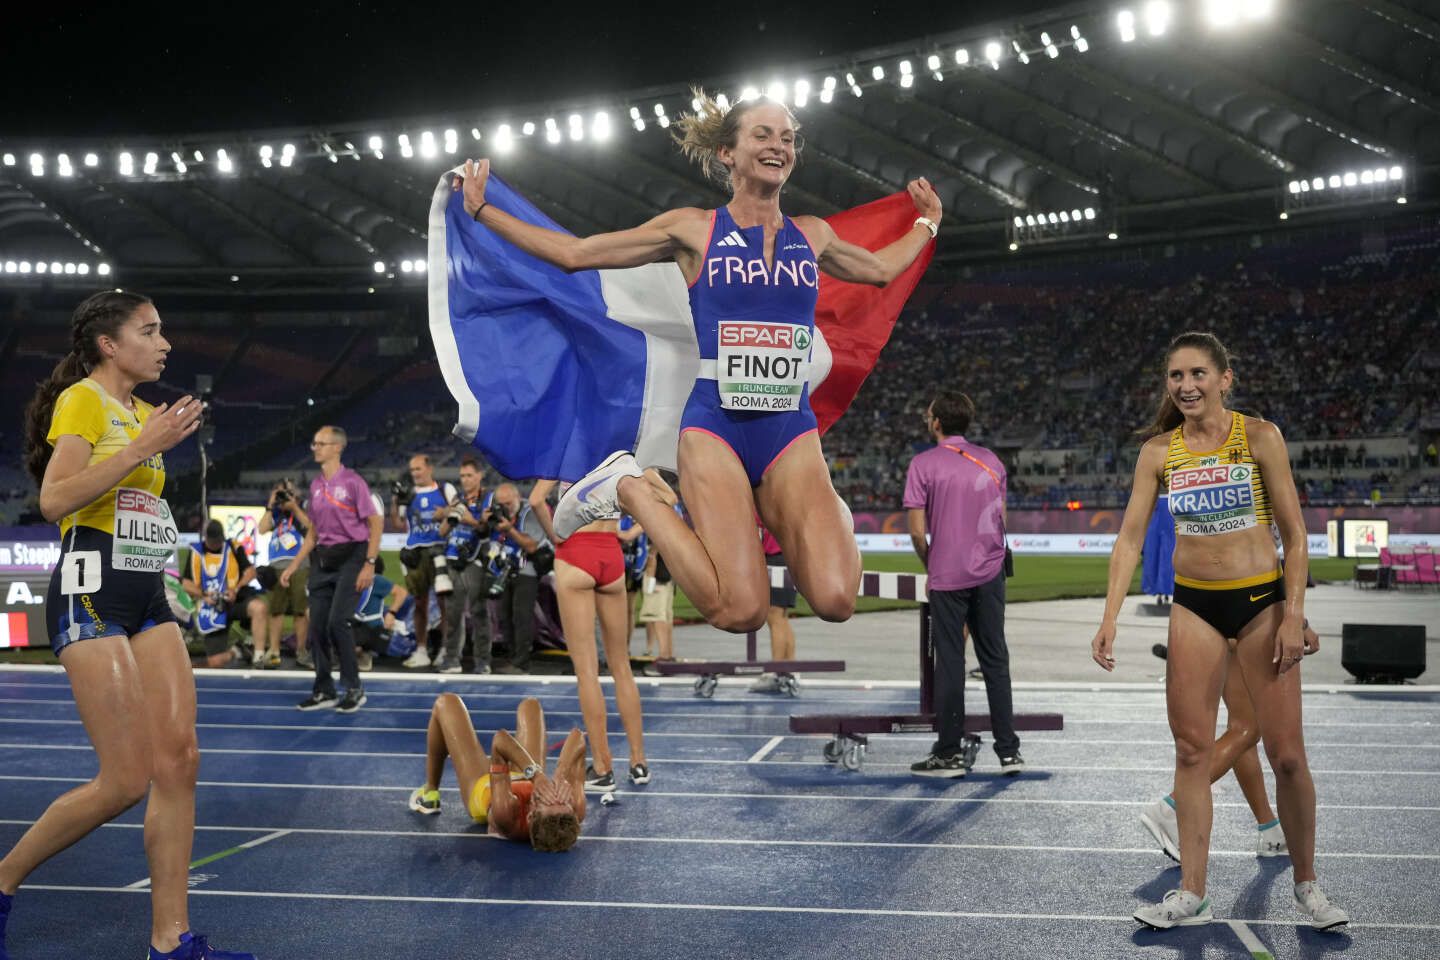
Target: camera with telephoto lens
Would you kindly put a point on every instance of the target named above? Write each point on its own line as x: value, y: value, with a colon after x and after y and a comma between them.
x: 403, y: 488
x: 502, y: 566
x: 495, y: 514
x: 443, y: 583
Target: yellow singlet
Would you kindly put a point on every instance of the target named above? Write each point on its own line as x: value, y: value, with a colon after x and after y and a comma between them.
x: 1219, y: 491
x: 85, y: 410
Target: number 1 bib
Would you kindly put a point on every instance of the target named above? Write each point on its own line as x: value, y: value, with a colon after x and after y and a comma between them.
x: 761, y: 366
x: 145, y: 534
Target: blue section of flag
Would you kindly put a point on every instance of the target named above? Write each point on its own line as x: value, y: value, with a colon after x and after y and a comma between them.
x: 559, y: 384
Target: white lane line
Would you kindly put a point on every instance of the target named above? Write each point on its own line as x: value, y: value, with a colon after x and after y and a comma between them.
x: 696, y: 795
x: 760, y: 754
x: 1248, y: 938
x: 708, y: 907
x: 144, y: 882
x: 756, y: 757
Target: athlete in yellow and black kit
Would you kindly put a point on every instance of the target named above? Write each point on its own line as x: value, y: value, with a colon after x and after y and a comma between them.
x: 97, y: 453
x: 1229, y: 481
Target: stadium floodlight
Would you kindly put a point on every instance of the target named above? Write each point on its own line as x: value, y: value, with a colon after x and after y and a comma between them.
x: 1081, y: 45
x: 1294, y: 186
x: 1051, y: 50
x: 802, y: 92
x: 600, y: 126
x: 1397, y: 173
x: 451, y: 134
x: 288, y: 150
x: 405, y: 266
x: 527, y: 128
x: 877, y: 72
x: 42, y: 267
x: 199, y: 157
x: 1258, y: 9
x: 37, y: 160
x: 83, y: 269
x: 1029, y: 219
x: 1318, y: 183
x: 1222, y: 13
x: 153, y: 159
x: 1075, y: 215
x: 127, y: 165
x: 1125, y: 21
x: 992, y: 53
x: 70, y: 268
x: 175, y: 157
x: 266, y: 152
x: 379, y: 266
x: 1284, y: 215
x: 748, y: 93
x: 1349, y: 179
x: 504, y: 139
x: 1401, y: 200
x: 375, y: 142
x: 776, y: 91
x: 474, y: 133
x: 10, y: 266
x: 1014, y: 246
x: 182, y: 167
x: 419, y: 265
x: 932, y: 62
x: 1334, y: 181
x: 552, y: 129
x: 1381, y: 175
x: 92, y: 160
x: 1089, y: 213
x: 427, y: 144
x: 1304, y: 186
x: 827, y: 95
x: 8, y: 159
x: 639, y: 125
x: 1367, y: 176
x: 1074, y: 31
x: 1019, y: 222
x: 62, y: 162
x: 1023, y: 57
x: 1064, y: 216
x: 1112, y: 235
x: 664, y: 122
x: 634, y: 113
x: 722, y: 101
x: 577, y: 127
x: 24, y: 266
x: 1157, y: 17
x: 962, y: 56
x: 906, y: 76
x: 56, y: 266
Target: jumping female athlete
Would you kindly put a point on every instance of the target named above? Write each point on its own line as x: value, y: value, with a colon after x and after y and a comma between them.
x: 1228, y: 477
x: 748, y: 437
x: 97, y: 452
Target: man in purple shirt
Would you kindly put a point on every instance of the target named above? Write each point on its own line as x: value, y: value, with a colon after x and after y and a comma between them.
x: 956, y: 494
x: 344, y: 535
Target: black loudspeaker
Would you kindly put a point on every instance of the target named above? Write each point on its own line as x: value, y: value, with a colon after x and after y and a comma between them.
x: 1383, y: 653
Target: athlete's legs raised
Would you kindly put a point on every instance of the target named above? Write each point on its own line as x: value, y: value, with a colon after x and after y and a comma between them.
x: 111, y: 701
x: 610, y: 604
x: 719, y: 564
x: 169, y: 688
x: 1276, y: 698
x: 1194, y: 675
x: 530, y: 730
x: 575, y: 595
x: 813, y: 526
x: 452, y: 734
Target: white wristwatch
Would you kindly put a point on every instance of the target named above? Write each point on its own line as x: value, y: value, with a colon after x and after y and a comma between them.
x: 930, y: 225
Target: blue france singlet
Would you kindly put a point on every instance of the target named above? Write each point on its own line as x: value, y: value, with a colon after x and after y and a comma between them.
x: 754, y: 324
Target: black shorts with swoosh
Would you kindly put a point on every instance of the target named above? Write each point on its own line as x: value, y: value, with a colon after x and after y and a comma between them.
x: 1228, y: 605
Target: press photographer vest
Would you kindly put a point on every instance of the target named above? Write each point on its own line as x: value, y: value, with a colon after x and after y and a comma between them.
x: 424, y: 512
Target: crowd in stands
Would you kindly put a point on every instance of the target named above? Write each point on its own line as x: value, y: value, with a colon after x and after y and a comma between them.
x: 1330, y: 341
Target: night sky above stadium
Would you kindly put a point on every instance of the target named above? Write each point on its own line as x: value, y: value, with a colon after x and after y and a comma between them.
x: 153, y: 68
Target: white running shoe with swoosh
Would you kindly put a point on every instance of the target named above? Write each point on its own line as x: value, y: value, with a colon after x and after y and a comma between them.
x: 594, y: 496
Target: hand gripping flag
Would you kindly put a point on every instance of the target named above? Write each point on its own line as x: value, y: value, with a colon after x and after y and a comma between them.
x: 554, y: 371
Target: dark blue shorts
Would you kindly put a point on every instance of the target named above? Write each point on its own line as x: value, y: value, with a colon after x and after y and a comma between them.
x: 757, y: 439
x: 122, y: 602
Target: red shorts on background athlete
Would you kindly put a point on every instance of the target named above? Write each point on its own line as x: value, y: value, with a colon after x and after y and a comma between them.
x: 598, y: 554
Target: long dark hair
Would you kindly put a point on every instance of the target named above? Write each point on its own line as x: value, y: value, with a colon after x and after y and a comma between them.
x: 101, y: 314
x: 1167, y: 415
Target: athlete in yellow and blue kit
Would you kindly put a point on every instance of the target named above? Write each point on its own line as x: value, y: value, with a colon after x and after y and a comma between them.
x: 97, y: 454
x: 1228, y: 477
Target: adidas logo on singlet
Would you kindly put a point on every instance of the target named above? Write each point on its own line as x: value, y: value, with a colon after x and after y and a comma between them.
x: 732, y: 239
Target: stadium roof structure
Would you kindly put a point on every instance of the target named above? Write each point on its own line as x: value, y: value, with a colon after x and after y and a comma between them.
x: 1139, y: 120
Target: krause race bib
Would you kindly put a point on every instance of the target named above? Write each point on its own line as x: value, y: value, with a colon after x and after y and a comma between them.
x: 1212, y: 498
x: 762, y: 366
x: 145, y: 534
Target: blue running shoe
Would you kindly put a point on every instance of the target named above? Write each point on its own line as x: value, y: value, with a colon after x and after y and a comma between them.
x: 193, y: 947
x: 5, y: 902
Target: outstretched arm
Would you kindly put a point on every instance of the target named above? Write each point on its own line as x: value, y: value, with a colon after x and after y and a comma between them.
x: 846, y: 261
x: 663, y: 238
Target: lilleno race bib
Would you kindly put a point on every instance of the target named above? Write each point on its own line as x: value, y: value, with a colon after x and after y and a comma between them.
x: 1212, y: 498
x: 762, y: 366
x: 145, y: 534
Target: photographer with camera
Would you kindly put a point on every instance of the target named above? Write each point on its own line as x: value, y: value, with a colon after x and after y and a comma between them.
x: 466, y: 529
x: 518, y: 549
x: 423, y: 503
x: 221, y: 579
x: 381, y: 611
x: 287, y: 521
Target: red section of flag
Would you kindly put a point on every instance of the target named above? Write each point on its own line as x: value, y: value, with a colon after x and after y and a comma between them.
x: 857, y: 319
x: 14, y: 630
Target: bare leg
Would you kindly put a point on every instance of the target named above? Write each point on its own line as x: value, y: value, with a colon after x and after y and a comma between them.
x: 571, y: 769
x: 275, y: 626
x: 1236, y: 747
x: 575, y: 595
x: 1277, y: 707
x: 110, y: 698
x: 169, y: 689
x: 1194, y: 675
x: 530, y: 730
x: 452, y: 734
x: 609, y: 602
x: 718, y: 564
x: 814, y: 528
x: 665, y: 638
x: 782, y: 635
x: 260, y: 633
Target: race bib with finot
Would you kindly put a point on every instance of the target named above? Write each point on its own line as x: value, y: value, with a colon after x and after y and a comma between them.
x: 761, y: 366
x: 145, y: 534
x: 1212, y: 498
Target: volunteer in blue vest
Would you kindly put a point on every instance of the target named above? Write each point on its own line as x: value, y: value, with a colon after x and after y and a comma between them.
x: 220, y: 578
x: 748, y: 436
x: 285, y: 519
x: 955, y: 493
x: 97, y: 452
x: 422, y: 506
x: 1228, y: 478
x: 464, y: 527
x: 382, y: 609
x: 344, y: 536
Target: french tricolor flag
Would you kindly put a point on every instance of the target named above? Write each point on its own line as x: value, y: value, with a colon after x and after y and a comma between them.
x: 554, y: 371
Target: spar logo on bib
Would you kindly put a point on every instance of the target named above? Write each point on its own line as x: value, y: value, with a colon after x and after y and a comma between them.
x: 773, y: 336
